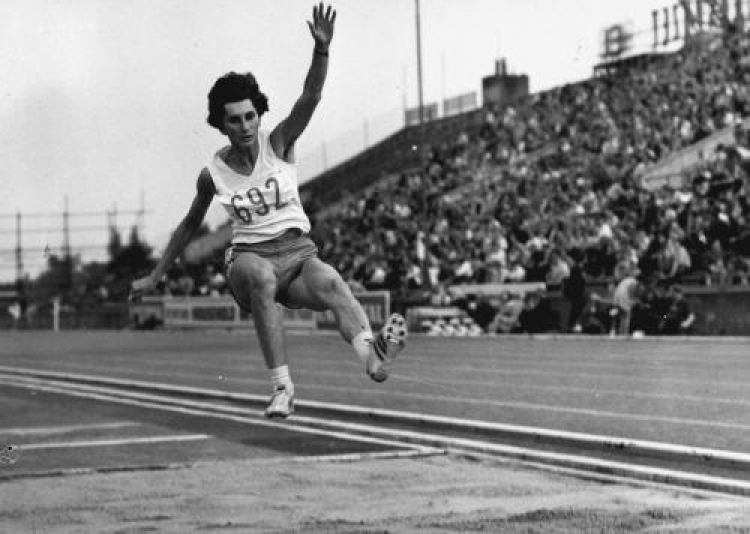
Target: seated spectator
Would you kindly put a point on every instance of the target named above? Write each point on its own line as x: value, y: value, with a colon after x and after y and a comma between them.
x: 596, y: 318
x: 479, y: 308
x: 679, y: 319
x: 536, y: 316
x: 515, y: 271
x: 558, y: 273
x: 509, y: 307
x: 717, y: 266
x: 217, y: 283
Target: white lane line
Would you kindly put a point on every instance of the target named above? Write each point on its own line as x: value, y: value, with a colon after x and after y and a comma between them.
x: 438, y: 444
x: 453, y: 399
x: 620, y: 443
x: 529, y: 364
x: 52, y: 430
x: 427, y: 381
x: 111, y: 442
x: 245, y: 419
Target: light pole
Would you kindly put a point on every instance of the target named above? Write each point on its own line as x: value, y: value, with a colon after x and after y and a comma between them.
x: 422, y: 155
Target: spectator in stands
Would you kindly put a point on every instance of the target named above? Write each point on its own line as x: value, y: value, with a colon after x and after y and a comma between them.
x: 217, y: 282
x: 515, y: 271
x: 479, y: 308
x: 574, y: 290
x: 180, y: 282
x: 509, y: 307
x: 648, y: 309
x: 718, y: 273
x: 679, y: 318
x: 558, y: 271
x: 536, y: 316
x: 623, y: 299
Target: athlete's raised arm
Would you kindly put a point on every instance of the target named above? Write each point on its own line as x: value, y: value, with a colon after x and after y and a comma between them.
x: 286, y: 133
x: 180, y: 237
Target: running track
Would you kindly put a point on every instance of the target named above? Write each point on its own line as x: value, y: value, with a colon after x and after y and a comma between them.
x: 685, y: 392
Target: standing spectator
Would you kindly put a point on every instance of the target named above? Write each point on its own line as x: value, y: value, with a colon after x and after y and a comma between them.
x: 623, y: 299
x: 574, y: 289
x: 559, y: 271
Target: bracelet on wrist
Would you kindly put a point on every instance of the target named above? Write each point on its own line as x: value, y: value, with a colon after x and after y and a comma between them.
x: 320, y: 52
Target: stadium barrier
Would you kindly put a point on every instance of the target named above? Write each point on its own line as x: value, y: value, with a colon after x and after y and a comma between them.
x: 719, y: 310
x: 204, y: 312
x: 722, y: 310
x: 377, y: 306
x: 495, y: 290
x: 223, y: 312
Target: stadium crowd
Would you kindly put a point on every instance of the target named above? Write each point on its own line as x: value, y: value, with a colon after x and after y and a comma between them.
x: 550, y: 190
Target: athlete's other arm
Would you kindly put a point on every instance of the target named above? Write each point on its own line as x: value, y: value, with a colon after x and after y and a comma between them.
x: 180, y: 237
x: 286, y: 133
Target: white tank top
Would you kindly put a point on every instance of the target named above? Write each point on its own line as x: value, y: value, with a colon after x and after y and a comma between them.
x: 264, y: 204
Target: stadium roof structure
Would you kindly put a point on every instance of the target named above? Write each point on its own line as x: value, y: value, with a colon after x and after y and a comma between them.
x: 627, y: 63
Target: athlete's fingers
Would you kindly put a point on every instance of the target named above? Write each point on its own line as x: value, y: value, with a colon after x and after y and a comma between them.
x: 328, y: 12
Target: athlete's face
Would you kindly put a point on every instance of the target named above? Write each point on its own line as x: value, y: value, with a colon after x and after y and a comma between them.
x: 241, y: 122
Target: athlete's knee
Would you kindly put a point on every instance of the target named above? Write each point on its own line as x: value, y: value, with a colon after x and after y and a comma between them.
x: 263, y: 285
x: 330, y: 284
x: 257, y: 285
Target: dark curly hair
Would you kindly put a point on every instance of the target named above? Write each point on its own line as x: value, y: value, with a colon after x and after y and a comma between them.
x: 234, y: 87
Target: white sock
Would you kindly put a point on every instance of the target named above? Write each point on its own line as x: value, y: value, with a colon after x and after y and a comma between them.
x: 362, y: 343
x: 280, y: 377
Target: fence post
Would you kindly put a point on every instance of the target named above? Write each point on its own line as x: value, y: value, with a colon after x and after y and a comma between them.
x: 56, y: 314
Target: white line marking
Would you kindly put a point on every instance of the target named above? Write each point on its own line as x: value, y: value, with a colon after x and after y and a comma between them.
x: 286, y: 425
x: 112, y: 442
x: 536, y: 407
x: 625, y: 444
x: 456, y: 383
x: 51, y: 430
x: 427, y: 443
x: 441, y: 398
x: 641, y: 472
x: 531, y: 367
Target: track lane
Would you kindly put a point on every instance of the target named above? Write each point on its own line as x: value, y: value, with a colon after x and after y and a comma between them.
x: 642, y: 390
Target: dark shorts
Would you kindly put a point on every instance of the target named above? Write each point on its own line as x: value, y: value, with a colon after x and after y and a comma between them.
x: 287, y: 253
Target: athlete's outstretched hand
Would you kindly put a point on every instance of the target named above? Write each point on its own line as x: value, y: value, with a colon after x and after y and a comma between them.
x: 321, y: 26
x: 141, y: 287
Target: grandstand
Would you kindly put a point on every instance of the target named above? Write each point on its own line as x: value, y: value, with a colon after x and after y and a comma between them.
x: 640, y: 169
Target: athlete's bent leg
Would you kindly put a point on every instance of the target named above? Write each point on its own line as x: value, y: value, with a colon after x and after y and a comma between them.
x: 320, y: 287
x: 254, y: 285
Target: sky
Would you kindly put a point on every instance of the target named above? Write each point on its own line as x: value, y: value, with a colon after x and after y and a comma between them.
x: 103, y: 102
